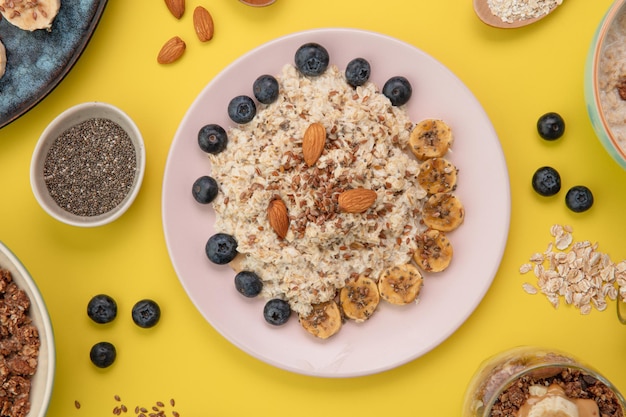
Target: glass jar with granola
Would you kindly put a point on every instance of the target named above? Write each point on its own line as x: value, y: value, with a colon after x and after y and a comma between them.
x: 531, y: 381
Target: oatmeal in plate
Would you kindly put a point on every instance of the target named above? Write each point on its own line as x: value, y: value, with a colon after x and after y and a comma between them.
x: 367, y: 147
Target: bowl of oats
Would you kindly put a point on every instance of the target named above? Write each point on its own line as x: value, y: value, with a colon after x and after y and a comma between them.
x: 296, y: 222
x: 534, y: 381
x: 28, y: 348
x: 88, y: 165
x: 605, y: 82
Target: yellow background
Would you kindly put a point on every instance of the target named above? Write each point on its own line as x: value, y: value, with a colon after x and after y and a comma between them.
x: 516, y: 74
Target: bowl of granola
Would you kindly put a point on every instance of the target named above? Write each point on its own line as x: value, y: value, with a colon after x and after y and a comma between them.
x: 605, y: 82
x: 27, y: 341
x: 527, y: 380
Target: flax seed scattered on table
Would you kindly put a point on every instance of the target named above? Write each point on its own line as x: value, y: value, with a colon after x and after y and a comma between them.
x: 159, y: 409
x: 576, y: 272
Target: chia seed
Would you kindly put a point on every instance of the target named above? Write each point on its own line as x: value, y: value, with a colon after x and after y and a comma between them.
x: 90, y: 168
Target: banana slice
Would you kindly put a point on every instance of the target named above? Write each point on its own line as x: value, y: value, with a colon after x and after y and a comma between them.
x: 443, y: 211
x: 324, y: 321
x: 359, y: 298
x: 430, y: 138
x: 400, y: 284
x: 437, y: 175
x: 434, y: 251
x: 3, y: 59
x: 30, y: 14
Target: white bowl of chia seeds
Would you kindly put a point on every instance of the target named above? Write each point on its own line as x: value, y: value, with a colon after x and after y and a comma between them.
x: 88, y: 165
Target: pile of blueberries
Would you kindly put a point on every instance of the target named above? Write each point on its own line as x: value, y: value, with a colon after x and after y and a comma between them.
x: 312, y: 60
x: 102, y: 309
x: 546, y: 180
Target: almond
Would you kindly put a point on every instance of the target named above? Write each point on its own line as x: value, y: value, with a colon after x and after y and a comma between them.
x: 203, y: 24
x: 171, y: 51
x: 176, y: 7
x: 356, y: 200
x: 278, y: 217
x: 313, y: 143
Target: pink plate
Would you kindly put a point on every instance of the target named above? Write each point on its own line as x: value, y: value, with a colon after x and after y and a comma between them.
x: 394, y: 335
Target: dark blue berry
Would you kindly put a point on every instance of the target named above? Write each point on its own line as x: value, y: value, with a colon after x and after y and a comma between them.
x: 579, y: 198
x: 241, y: 109
x: 248, y: 283
x: 212, y: 139
x: 546, y: 181
x: 146, y: 313
x: 276, y: 312
x: 265, y: 89
x: 103, y: 354
x: 312, y: 59
x: 204, y: 189
x: 102, y: 308
x: 551, y: 126
x: 221, y: 248
x: 398, y: 90
x: 358, y: 72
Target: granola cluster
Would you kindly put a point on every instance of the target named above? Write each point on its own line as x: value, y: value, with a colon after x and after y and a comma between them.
x: 19, y: 348
x: 575, y: 383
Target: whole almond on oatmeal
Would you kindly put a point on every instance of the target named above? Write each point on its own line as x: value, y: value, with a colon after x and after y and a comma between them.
x: 176, y: 7
x: 203, y: 24
x: 171, y: 51
x: 356, y: 200
x: 278, y: 217
x: 313, y: 143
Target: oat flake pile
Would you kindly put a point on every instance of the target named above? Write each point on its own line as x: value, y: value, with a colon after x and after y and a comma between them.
x: 515, y: 10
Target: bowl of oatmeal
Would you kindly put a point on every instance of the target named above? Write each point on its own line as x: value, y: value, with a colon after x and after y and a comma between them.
x: 529, y: 381
x: 605, y: 82
x: 247, y: 176
x: 27, y: 342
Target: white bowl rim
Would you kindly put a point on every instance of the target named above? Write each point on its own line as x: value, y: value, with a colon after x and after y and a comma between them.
x: 36, y: 299
x: 79, y: 113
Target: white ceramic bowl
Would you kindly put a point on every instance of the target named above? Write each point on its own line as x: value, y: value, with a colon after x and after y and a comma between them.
x: 71, y: 117
x: 43, y: 380
x: 598, y: 92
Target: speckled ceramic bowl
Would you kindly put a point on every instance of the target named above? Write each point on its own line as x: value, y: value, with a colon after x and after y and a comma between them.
x: 601, y: 91
x: 43, y: 379
x: 70, y: 118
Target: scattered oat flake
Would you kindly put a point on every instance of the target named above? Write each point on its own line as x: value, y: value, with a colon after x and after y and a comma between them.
x: 529, y: 288
x: 575, y: 272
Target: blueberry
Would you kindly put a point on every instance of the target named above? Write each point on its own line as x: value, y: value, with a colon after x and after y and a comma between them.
x: 212, y: 138
x: 146, y: 313
x: 276, y: 311
x: 551, y: 126
x: 221, y: 248
x: 265, y: 89
x: 204, y: 189
x: 102, y: 308
x: 248, y: 283
x: 358, y: 72
x: 312, y: 59
x: 241, y: 109
x: 546, y: 181
x: 102, y: 354
x: 398, y: 90
x: 579, y: 198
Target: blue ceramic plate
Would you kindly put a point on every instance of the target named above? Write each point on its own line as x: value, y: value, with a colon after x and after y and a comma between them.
x: 38, y: 61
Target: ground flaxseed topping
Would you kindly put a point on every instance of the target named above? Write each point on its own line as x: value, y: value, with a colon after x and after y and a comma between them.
x: 90, y: 168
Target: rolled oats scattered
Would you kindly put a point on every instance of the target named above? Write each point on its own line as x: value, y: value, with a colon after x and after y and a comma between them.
x: 576, y: 272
